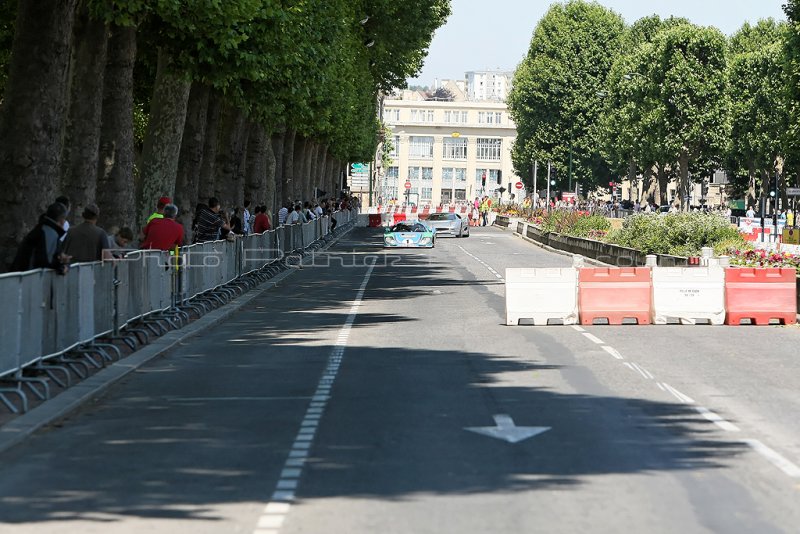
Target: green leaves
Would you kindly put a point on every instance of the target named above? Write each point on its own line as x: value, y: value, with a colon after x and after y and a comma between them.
x: 556, y: 102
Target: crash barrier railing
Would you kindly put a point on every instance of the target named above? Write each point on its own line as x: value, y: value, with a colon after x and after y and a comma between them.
x: 52, y: 324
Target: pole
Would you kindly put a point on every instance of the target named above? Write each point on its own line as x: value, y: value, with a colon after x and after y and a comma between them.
x: 775, y: 208
x: 535, y: 191
x: 570, y: 165
x: 548, y: 185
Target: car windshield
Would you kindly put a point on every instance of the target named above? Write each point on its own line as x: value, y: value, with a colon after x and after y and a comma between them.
x: 408, y: 227
x: 440, y: 217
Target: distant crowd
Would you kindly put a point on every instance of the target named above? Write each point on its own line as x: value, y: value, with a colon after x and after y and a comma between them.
x: 54, y: 243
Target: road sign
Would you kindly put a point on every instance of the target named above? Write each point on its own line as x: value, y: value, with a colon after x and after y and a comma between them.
x: 793, y: 191
x: 506, y: 430
x: 519, y: 185
x: 408, y: 185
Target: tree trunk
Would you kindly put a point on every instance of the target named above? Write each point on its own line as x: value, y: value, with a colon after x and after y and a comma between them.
x: 256, y: 176
x: 194, y: 137
x: 115, y: 183
x: 298, y: 177
x: 308, y: 168
x: 82, y: 130
x: 288, y: 167
x: 322, y: 159
x: 762, y: 210
x: 32, y: 116
x: 162, y: 144
x: 683, y: 190
x: 228, y: 186
x: 207, y: 185
x: 277, y: 150
x: 751, y: 184
x: 269, y: 177
x: 663, y: 181
x: 649, y: 185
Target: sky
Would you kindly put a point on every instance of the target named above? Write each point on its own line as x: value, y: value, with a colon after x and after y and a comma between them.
x: 495, y: 34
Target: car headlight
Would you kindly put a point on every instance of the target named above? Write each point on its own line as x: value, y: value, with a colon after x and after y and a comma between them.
x: 425, y: 241
x: 390, y: 239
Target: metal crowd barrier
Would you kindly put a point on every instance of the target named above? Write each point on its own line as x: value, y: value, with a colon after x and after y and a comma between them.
x: 45, y: 318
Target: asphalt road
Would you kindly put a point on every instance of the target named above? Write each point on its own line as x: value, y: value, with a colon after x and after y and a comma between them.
x: 339, y: 402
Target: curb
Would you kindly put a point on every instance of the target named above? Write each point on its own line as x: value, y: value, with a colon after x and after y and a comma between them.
x: 74, y: 397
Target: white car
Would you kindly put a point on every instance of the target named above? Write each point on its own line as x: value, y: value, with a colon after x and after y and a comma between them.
x: 448, y: 224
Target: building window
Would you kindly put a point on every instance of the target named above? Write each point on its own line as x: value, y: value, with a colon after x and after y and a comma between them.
x: 392, y: 115
x: 413, y: 173
x: 430, y: 116
x: 461, y: 194
x: 498, y: 118
x: 395, y: 153
x: 454, y: 148
x: 391, y: 192
x: 420, y: 147
x: 489, y: 149
x: 447, y: 174
x: 393, y: 173
x: 455, y: 117
x: 492, y: 177
x: 427, y: 173
x: 461, y: 175
x: 421, y: 115
x: 463, y: 117
x: 427, y: 193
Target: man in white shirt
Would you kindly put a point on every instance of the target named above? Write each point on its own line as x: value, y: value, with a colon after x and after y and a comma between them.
x: 247, y: 221
x: 283, y: 213
x: 318, y: 210
x: 296, y: 217
x: 751, y: 212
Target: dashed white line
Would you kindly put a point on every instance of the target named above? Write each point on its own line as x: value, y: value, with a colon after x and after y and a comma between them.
x: 578, y: 328
x: 717, y: 420
x: 678, y: 395
x: 593, y: 338
x: 612, y: 351
x: 774, y: 457
x: 275, y: 512
x: 491, y: 269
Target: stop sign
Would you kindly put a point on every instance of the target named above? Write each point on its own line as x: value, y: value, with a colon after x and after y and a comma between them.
x: 519, y: 185
x: 408, y: 185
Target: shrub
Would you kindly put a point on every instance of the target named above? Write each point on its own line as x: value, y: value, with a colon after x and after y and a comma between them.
x: 679, y: 234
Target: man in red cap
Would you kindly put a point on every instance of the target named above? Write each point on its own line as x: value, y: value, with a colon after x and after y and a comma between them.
x: 163, y: 233
x: 159, y: 213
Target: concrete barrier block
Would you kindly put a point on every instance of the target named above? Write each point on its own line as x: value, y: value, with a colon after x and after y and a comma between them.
x: 688, y: 295
x: 542, y: 295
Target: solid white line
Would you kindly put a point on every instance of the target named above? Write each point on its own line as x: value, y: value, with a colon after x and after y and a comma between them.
x: 593, y: 338
x: 275, y: 512
x: 774, y: 457
x: 717, y: 420
x: 612, y: 351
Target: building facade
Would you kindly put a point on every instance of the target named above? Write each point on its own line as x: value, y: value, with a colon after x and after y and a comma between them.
x: 449, y: 152
x: 492, y: 85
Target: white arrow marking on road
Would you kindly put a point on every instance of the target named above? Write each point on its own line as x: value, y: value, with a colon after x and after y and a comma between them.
x: 506, y: 430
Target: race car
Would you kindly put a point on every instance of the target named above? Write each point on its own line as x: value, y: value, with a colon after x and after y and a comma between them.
x: 409, y: 234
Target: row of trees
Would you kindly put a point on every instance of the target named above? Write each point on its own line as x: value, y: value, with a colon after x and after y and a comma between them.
x: 119, y: 102
x: 659, y: 100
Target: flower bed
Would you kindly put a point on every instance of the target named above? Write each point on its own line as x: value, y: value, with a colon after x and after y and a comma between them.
x: 763, y: 258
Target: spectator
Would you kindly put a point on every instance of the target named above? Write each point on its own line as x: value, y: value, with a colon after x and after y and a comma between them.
x: 87, y: 241
x: 165, y: 233
x: 41, y: 248
x: 159, y: 213
x: 65, y: 201
x: 119, y: 241
x: 308, y: 213
x: 318, y: 210
x: 236, y: 222
x: 296, y: 217
x: 750, y: 212
x: 283, y: 214
x: 247, y: 219
x: 208, y: 222
x: 262, y: 222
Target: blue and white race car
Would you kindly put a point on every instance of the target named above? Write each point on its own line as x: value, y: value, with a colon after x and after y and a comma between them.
x: 409, y: 234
